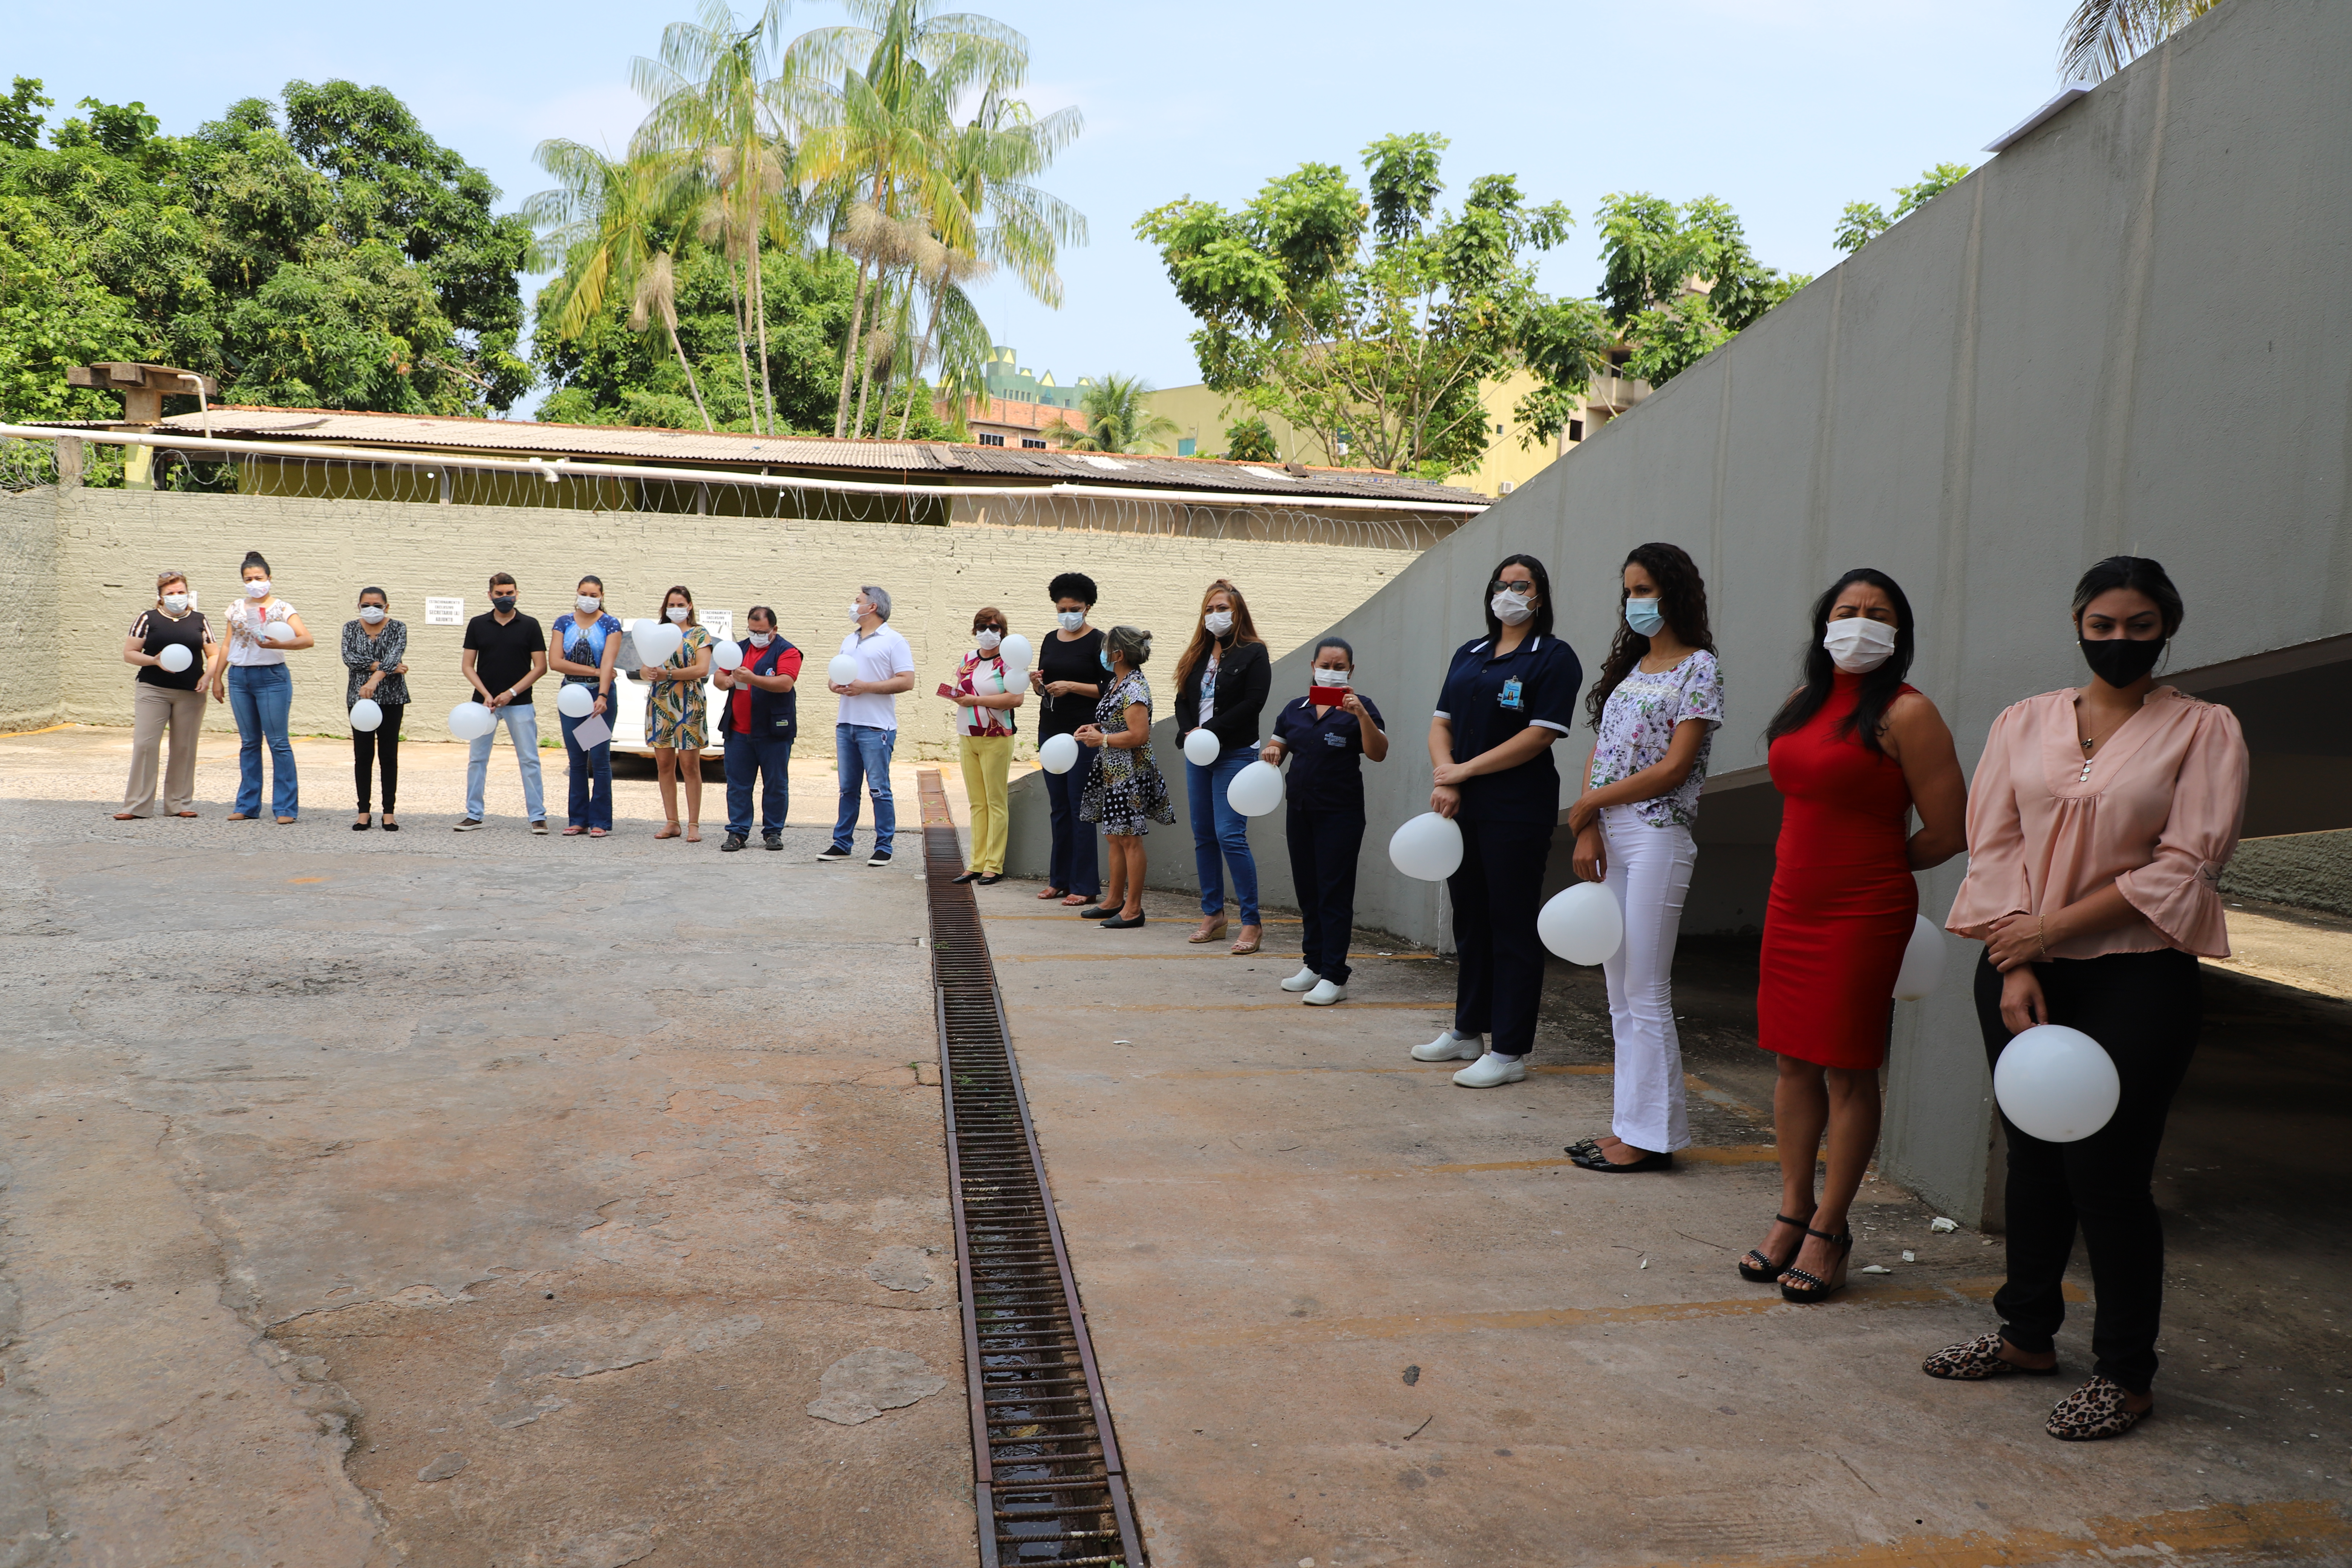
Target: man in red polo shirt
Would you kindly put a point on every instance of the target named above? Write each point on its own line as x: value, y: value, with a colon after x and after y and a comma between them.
x: 759, y: 719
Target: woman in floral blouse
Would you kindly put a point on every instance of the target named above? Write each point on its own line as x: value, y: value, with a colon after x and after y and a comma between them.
x: 675, y: 715
x: 375, y: 652
x: 1126, y: 792
x: 1656, y: 706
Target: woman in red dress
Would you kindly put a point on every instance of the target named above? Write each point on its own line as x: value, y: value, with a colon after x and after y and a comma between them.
x: 1854, y: 750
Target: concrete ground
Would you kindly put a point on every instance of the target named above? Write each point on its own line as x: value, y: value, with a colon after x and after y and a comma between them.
x: 482, y: 1200
x: 1352, y: 1314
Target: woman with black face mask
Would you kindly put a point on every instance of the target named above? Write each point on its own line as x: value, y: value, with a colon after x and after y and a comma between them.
x: 2098, y: 825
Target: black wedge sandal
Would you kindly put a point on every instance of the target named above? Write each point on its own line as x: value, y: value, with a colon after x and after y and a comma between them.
x: 1811, y: 1288
x: 1764, y: 1271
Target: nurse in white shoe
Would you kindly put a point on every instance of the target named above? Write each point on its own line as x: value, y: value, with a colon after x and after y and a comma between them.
x: 1508, y: 698
x: 1325, y: 734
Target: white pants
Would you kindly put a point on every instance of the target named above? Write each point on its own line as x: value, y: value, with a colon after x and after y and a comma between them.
x: 1649, y: 871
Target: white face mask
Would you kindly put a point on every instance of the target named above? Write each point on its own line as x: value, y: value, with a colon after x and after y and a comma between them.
x: 175, y: 603
x: 588, y: 603
x: 1511, y: 608
x: 1218, y: 622
x: 761, y: 640
x: 370, y: 614
x: 678, y: 614
x: 857, y: 611
x: 1337, y: 678
x: 1859, y: 645
x: 258, y: 589
x: 987, y: 641
x: 1071, y: 619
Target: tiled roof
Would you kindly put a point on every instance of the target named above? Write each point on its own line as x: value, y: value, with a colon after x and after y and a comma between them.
x: 900, y: 459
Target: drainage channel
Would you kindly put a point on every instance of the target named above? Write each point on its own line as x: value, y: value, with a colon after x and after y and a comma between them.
x: 1050, y: 1487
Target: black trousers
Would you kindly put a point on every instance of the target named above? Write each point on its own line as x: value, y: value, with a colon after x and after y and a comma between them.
x: 1323, y: 848
x: 2145, y: 1008
x: 1496, y: 894
x: 381, y: 745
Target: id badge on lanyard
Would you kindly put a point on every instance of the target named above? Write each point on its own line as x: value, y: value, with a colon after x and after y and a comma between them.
x: 1509, y: 696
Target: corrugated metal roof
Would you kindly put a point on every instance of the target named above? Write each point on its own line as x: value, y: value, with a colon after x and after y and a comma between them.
x: 704, y: 448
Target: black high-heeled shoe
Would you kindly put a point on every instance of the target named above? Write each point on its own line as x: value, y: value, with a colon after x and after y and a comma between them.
x: 1811, y: 1288
x: 1764, y: 1271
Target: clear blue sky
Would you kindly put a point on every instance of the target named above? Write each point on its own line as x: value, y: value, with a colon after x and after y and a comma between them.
x: 1787, y: 110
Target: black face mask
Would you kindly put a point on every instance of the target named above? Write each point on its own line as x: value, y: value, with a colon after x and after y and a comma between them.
x: 2120, y: 661
x: 503, y: 602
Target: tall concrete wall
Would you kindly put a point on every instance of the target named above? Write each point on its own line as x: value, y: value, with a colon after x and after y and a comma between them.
x: 96, y: 554
x: 2126, y: 334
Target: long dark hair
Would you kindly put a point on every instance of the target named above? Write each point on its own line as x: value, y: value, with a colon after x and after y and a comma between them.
x: 1244, y: 629
x: 1682, y: 599
x: 1539, y: 624
x: 2136, y: 573
x: 1879, y: 687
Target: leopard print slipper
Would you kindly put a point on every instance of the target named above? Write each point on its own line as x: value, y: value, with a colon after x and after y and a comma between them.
x: 1978, y: 1360
x: 2093, y: 1411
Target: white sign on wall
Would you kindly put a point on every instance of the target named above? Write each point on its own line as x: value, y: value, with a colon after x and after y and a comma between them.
x: 444, y: 611
x: 720, y: 624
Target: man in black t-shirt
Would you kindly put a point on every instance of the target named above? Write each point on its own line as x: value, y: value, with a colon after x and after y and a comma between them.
x: 505, y: 653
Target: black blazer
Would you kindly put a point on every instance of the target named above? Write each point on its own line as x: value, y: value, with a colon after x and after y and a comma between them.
x: 1244, y: 676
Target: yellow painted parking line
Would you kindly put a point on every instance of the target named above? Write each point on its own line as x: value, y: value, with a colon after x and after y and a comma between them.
x: 1733, y: 1154
x: 1175, y: 957
x: 1582, y: 1071
x: 1071, y: 914
x: 1410, y: 1325
x: 1075, y: 1006
x: 2298, y: 1530
x: 44, y: 730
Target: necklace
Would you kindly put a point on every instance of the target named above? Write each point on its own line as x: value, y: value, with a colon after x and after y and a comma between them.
x: 2090, y: 741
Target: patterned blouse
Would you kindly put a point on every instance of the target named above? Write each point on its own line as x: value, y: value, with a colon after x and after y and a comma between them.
x: 388, y: 647
x: 1638, y: 725
x: 682, y: 703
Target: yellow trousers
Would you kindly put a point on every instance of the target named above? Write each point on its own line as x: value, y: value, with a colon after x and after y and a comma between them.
x: 986, y: 758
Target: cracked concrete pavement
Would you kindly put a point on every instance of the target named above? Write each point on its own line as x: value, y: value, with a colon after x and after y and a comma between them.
x: 484, y: 1200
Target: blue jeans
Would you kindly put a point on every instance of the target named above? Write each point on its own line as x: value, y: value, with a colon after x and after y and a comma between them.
x: 1221, y: 834
x: 521, y: 721
x: 259, y: 695
x: 591, y: 773
x: 1073, y: 869
x: 766, y: 760
x: 862, y: 751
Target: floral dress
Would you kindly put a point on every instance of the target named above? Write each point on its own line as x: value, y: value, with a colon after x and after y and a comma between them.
x: 675, y: 709
x: 1638, y: 725
x: 1127, y: 790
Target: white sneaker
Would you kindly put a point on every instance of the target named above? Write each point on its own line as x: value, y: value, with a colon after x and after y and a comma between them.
x: 1491, y: 1071
x: 1449, y: 1046
x: 1325, y: 994
x: 1304, y: 980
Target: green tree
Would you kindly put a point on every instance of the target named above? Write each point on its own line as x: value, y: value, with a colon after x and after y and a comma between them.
x: 1370, y: 322
x: 2103, y: 36
x: 1251, y: 440
x: 1116, y: 416
x: 1862, y: 222
x: 1677, y: 283
x: 20, y: 114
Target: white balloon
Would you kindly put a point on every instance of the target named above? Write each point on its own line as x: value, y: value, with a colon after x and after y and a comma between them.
x: 365, y: 714
x: 1016, y: 652
x: 726, y: 655
x: 471, y: 721
x: 2056, y: 1084
x: 1201, y: 747
x: 1922, y: 962
x: 1255, y: 790
x: 656, y: 642
x: 280, y: 631
x: 175, y: 656
x: 1428, y: 848
x: 1059, y: 754
x: 575, y: 700
x: 1582, y: 923
x: 842, y: 670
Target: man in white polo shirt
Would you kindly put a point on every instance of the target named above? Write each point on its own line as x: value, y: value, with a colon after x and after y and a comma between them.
x: 867, y: 727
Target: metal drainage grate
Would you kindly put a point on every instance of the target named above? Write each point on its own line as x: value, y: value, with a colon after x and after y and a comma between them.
x: 1050, y: 1485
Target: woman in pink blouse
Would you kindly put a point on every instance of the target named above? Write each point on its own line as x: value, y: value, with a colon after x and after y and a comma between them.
x: 2098, y: 825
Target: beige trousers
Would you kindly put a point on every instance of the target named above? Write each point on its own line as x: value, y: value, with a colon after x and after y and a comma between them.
x: 153, y: 708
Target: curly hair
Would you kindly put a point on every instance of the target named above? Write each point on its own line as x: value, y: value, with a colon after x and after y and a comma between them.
x: 1682, y: 599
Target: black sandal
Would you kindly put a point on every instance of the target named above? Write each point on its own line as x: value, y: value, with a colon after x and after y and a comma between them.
x: 1764, y: 1271
x: 1811, y: 1288
x: 1597, y: 1159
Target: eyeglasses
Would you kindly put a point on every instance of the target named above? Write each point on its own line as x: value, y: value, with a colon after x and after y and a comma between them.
x: 1524, y: 585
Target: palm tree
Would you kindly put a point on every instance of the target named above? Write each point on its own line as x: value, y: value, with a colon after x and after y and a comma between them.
x: 2103, y: 36
x: 603, y: 226
x: 942, y: 277
x: 1118, y: 419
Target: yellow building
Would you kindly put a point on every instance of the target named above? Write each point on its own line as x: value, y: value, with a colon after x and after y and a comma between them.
x: 1202, y: 418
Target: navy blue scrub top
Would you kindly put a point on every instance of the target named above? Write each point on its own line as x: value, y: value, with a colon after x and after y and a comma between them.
x: 1489, y: 700
x: 1325, y: 775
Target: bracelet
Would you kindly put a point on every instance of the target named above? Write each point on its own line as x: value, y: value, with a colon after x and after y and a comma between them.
x: 2042, y: 935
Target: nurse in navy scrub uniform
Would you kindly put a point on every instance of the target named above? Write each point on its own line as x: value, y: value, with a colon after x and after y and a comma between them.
x: 1325, y: 734
x: 1508, y: 697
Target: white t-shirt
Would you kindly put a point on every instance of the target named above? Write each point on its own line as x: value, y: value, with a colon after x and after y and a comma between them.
x: 245, y: 625
x: 879, y: 656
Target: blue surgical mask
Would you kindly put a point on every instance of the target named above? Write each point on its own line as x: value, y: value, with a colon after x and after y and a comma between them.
x: 1071, y: 619
x: 1644, y: 616
x: 1105, y: 656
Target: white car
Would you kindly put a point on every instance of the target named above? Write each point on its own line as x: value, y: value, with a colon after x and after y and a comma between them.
x: 627, y: 714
